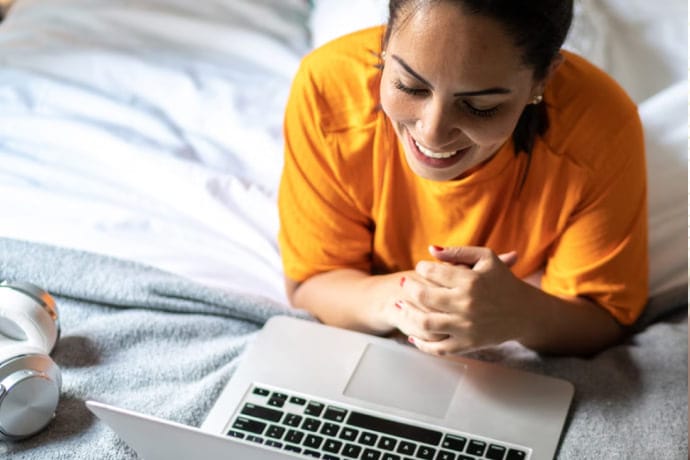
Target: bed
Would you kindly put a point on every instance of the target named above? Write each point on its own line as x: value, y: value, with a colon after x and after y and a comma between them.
x: 140, y: 153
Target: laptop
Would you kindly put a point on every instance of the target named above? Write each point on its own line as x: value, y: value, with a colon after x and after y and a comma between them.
x: 308, y: 390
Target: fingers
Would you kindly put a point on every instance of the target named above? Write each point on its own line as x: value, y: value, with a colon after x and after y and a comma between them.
x: 448, y: 346
x: 428, y: 325
x: 509, y: 258
x: 471, y: 256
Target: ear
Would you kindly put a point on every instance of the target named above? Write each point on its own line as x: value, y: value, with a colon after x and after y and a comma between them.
x: 555, y: 64
x: 541, y: 84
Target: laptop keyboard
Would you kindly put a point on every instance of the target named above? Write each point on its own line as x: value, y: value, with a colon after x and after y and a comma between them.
x: 316, y: 428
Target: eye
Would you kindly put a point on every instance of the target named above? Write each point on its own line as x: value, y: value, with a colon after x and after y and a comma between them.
x: 407, y: 90
x: 482, y: 113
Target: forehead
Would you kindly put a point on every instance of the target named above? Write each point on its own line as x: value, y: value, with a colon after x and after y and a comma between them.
x: 440, y: 38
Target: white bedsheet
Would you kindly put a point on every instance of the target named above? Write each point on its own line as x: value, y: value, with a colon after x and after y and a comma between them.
x: 151, y: 131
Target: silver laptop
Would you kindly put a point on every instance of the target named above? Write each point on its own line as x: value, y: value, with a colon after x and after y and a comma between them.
x: 306, y: 390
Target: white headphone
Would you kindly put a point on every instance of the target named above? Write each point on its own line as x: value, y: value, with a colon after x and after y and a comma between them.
x: 29, y: 379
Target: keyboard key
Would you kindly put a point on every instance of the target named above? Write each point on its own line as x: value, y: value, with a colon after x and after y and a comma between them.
x: 294, y: 436
x: 348, y: 434
x: 371, y: 454
x: 515, y: 454
x: 368, y: 439
x: 298, y: 401
x: 235, y: 434
x: 256, y: 439
x: 245, y: 424
x: 277, y: 399
x: 292, y: 420
x: 311, y: 424
x: 393, y: 428
x: 290, y: 448
x: 466, y: 457
x: 351, y: 451
x: 476, y: 447
x: 260, y: 391
x: 406, y: 448
x: 335, y: 413
x: 276, y: 444
x: 388, y: 456
x: 330, y: 457
x: 311, y: 453
x: 426, y: 453
x: 452, y: 442
x: 386, y: 443
x: 261, y: 412
x: 330, y: 429
x: 445, y: 455
x: 313, y: 441
x: 275, y: 431
x: 314, y: 408
x: 333, y: 446
x: 495, y: 452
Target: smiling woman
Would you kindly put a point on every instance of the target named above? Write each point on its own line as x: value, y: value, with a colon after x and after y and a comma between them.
x: 456, y: 177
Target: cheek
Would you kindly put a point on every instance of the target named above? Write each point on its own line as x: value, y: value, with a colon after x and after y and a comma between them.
x: 395, y: 106
x: 494, y: 130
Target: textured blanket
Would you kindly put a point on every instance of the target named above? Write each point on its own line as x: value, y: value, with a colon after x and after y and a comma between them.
x: 153, y: 342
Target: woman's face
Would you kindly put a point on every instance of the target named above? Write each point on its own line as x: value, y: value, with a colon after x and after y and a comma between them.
x: 454, y: 87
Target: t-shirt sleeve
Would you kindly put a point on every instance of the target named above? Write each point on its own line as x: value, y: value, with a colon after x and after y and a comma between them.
x: 602, y: 254
x: 322, y: 226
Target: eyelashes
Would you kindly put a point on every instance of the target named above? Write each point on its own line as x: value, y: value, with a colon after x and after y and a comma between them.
x: 407, y: 90
x: 418, y: 92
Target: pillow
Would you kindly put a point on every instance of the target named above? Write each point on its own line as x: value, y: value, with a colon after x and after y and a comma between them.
x: 332, y: 18
x: 665, y: 121
x: 627, y: 38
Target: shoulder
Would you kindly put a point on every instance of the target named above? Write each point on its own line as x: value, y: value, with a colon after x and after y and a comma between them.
x: 588, y: 112
x: 344, y: 77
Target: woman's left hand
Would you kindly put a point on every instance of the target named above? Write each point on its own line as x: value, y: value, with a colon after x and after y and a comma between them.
x: 474, y: 301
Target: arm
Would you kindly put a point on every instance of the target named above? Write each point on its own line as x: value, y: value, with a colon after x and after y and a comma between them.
x: 348, y: 298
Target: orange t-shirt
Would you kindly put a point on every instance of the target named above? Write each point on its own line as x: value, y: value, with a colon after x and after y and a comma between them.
x: 348, y: 199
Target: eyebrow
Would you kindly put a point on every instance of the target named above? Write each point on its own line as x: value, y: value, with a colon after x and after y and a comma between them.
x: 481, y: 92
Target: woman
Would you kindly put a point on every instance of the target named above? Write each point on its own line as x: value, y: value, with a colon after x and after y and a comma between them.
x: 457, y: 177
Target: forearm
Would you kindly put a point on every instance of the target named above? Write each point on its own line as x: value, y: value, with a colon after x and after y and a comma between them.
x: 574, y: 326
x: 348, y: 298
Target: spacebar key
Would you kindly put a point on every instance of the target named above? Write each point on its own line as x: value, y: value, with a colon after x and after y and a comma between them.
x: 402, y: 430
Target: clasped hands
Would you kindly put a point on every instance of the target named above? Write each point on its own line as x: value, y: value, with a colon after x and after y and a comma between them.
x: 466, y: 300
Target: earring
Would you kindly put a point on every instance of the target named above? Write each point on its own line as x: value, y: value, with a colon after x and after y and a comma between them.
x: 383, y: 55
x: 537, y: 99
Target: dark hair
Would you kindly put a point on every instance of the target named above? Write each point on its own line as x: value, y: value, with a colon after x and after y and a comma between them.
x: 538, y: 28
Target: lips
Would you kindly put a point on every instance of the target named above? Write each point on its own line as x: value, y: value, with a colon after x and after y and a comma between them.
x: 434, y: 160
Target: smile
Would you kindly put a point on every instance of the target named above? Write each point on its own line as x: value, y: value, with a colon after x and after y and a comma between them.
x: 432, y: 154
x: 433, y: 159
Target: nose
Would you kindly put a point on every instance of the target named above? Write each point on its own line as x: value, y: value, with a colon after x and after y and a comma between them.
x: 437, y: 125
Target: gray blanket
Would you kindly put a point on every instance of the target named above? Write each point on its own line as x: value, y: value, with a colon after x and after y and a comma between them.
x: 156, y: 343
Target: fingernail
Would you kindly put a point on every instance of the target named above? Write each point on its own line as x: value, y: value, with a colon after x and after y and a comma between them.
x: 437, y: 248
x: 402, y: 281
x: 410, y: 339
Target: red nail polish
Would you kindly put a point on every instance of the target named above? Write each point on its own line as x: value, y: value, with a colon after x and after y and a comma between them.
x: 402, y: 281
x: 410, y: 339
x: 398, y: 305
x: 437, y: 248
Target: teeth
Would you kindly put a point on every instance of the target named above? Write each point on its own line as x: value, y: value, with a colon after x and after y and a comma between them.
x: 432, y: 154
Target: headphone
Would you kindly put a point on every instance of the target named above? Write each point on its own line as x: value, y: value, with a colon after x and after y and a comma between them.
x: 29, y: 379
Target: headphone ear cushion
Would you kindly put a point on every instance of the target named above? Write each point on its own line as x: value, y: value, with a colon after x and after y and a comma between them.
x: 24, y: 317
x: 29, y: 391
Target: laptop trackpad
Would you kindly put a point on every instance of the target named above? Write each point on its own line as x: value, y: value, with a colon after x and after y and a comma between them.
x: 409, y: 381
